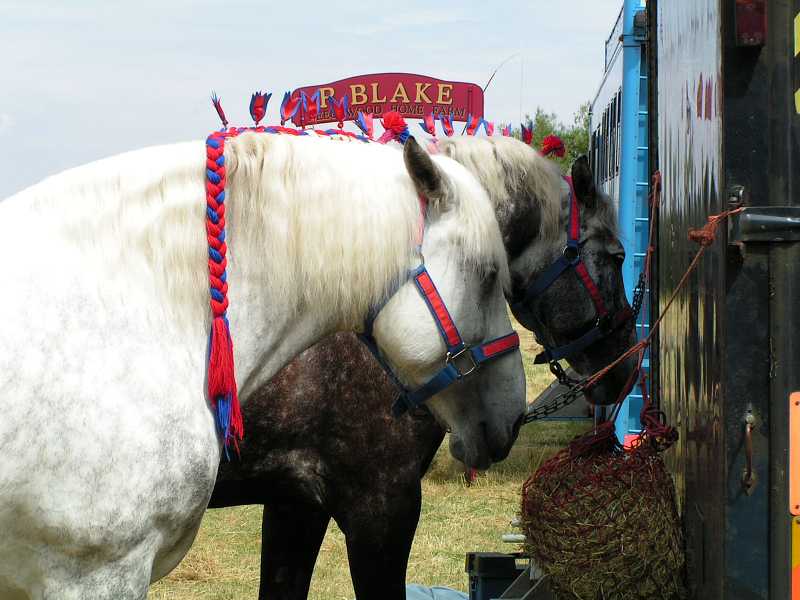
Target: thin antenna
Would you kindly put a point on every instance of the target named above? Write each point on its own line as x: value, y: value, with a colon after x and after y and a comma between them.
x: 496, y: 69
x: 521, y: 84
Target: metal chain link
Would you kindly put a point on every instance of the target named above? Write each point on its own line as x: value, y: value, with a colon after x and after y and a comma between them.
x: 558, y: 371
x: 576, y: 386
x: 638, y: 295
x: 555, y: 405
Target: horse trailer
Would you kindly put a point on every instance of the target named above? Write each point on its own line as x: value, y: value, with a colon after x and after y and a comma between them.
x: 707, y: 94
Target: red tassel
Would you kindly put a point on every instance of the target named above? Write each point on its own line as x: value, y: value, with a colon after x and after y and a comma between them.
x: 220, y: 362
x: 396, y: 128
x: 527, y: 133
x: 222, y: 381
x: 218, y: 106
x: 394, y: 122
x: 552, y: 144
x: 237, y: 423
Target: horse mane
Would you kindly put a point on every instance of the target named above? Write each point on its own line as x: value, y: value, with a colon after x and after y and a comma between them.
x: 606, y: 215
x: 379, y: 220
x: 335, y: 221
x: 507, y: 168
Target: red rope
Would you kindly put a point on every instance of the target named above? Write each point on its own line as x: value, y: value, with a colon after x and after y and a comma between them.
x: 222, y: 389
x: 653, y: 420
x: 654, y: 424
x: 705, y: 236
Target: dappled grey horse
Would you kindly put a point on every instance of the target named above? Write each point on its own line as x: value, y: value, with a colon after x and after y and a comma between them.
x: 313, y: 452
x: 108, y: 371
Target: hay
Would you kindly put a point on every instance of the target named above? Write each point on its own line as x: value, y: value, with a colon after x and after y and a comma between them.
x: 603, y: 524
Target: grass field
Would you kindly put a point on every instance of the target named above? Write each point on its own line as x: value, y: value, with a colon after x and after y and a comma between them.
x: 223, y: 564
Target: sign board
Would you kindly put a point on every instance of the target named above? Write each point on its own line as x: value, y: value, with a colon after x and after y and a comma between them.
x: 413, y: 96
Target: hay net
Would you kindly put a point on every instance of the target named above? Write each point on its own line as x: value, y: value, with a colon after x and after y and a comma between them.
x: 601, y: 521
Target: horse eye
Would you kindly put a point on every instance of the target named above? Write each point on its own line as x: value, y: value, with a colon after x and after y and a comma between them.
x: 617, y: 252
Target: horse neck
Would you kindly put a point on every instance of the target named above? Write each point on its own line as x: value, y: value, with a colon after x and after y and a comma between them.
x: 130, y: 227
x: 312, y: 244
x: 300, y: 265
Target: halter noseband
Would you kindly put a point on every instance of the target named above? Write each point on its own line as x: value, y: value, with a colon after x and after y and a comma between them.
x: 570, y: 258
x: 460, y: 360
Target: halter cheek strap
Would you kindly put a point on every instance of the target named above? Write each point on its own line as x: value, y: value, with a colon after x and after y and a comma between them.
x: 460, y: 360
x: 571, y: 259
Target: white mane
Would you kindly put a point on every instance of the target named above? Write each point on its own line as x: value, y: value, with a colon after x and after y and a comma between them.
x: 356, y: 221
x: 326, y: 223
x: 507, y: 168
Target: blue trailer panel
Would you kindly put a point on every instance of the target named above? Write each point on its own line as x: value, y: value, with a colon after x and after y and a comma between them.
x: 620, y: 160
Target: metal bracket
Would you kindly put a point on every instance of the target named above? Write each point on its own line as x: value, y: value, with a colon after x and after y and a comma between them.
x: 749, y: 476
x: 765, y: 224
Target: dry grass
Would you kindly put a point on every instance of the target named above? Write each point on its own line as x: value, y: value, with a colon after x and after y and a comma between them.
x: 223, y: 564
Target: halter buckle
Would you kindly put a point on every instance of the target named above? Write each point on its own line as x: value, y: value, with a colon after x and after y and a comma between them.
x: 572, y: 253
x: 604, y: 324
x: 452, y: 358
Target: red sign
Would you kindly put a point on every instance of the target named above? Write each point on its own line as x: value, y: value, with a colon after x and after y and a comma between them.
x: 413, y: 96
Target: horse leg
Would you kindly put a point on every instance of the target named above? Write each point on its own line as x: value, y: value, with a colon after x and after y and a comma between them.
x: 70, y: 579
x: 379, y: 533
x: 291, y: 537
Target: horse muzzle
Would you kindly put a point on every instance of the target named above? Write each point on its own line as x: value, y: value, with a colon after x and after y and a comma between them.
x: 615, y: 385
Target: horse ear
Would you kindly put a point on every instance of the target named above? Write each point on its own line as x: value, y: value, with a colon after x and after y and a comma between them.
x: 583, y: 182
x: 429, y: 180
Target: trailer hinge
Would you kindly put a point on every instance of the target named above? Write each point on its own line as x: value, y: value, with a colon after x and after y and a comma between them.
x: 765, y: 224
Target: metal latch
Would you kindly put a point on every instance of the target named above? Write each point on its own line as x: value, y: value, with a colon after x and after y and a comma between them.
x: 765, y: 224
x: 749, y: 477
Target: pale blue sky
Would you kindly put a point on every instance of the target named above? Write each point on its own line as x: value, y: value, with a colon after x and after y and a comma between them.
x: 80, y: 80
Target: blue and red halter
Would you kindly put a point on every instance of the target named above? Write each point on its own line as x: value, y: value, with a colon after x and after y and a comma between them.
x: 570, y: 258
x: 460, y: 359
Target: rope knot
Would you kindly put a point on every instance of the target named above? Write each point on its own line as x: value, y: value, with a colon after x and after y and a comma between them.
x: 704, y: 236
x: 707, y: 234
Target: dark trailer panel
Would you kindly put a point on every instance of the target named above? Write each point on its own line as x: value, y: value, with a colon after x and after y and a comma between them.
x: 724, y: 127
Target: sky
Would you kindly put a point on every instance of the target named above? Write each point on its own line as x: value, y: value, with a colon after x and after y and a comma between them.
x: 85, y: 79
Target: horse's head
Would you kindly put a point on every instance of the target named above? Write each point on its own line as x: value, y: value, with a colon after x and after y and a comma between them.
x: 579, y: 313
x: 603, y: 255
x: 564, y: 308
x: 464, y: 256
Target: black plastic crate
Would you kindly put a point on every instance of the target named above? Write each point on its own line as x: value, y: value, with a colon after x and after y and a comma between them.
x: 490, y: 573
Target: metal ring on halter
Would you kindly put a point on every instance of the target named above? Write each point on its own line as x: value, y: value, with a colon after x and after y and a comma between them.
x: 451, y: 358
x: 575, y: 253
x: 605, y: 323
x: 570, y: 259
x: 456, y: 348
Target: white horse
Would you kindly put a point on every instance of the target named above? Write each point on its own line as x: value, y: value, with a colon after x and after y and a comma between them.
x: 109, y: 447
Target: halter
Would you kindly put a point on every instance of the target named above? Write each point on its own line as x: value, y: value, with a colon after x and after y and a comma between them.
x: 460, y: 360
x: 570, y: 258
